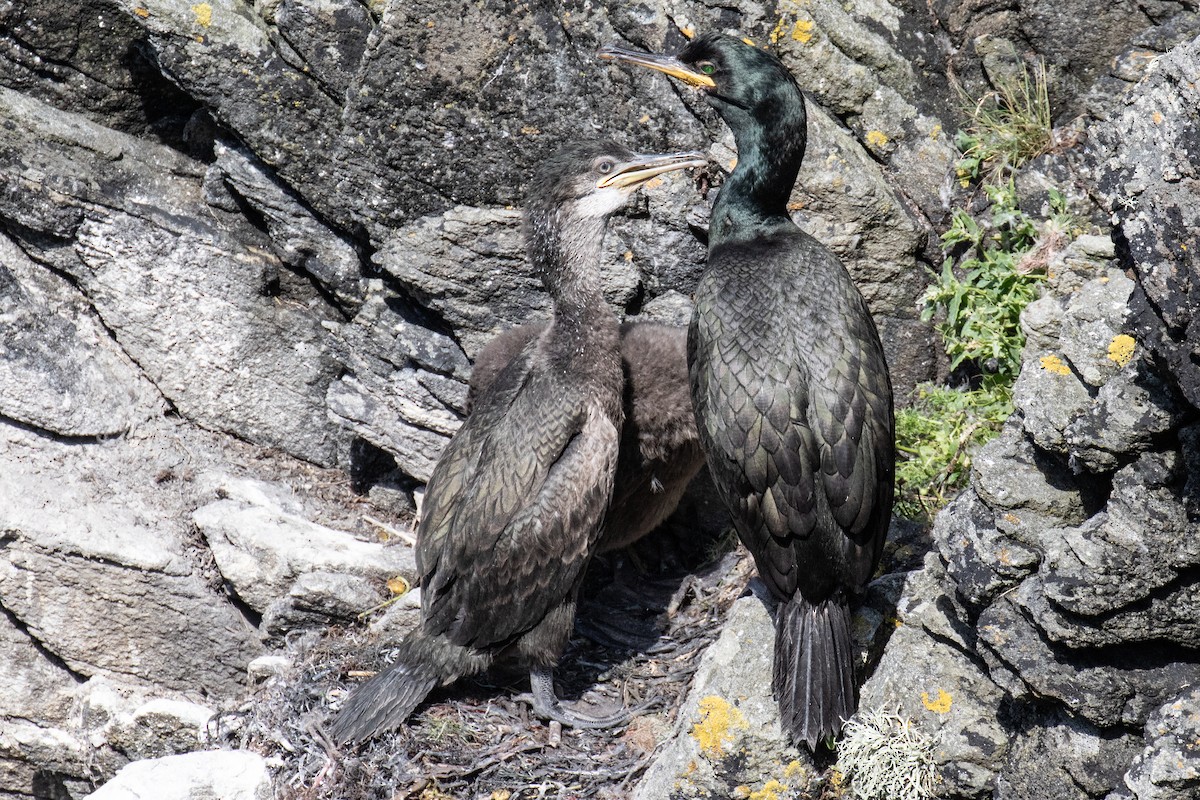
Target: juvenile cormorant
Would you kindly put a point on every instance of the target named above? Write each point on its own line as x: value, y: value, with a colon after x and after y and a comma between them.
x: 514, y: 505
x: 791, y: 391
x: 659, y: 449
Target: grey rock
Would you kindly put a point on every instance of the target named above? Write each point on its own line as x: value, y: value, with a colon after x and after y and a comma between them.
x: 1146, y: 172
x: 228, y: 774
x: 59, y: 369
x: 1169, y: 767
x: 230, y: 357
x: 1116, y: 559
x: 1010, y: 474
x: 1060, y: 757
x: 329, y: 36
x: 1097, y: 315
x: 1130, y: 412
x: 267, y: 553
x: 106, y: 523
x: 1115, y: 687
x: 728, y: 733
x: 928, y: 673
x: 299, y: 239
x: 982, y: 560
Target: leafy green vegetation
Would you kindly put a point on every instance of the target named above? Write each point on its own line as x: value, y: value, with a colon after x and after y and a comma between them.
x: 993, y: 269
x: 936, y: 436
x: 1006, y: 128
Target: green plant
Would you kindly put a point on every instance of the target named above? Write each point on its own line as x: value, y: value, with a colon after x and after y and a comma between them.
x: 887, y: 757
x: 936, y: 435
x: 1006, y: 127
x: 983, y: 295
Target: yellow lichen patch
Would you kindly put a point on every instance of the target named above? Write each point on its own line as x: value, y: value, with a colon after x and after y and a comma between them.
x: 877, y: 138
x: 644, y: 118
x: 794, y: 770
x: 688, y: 31
x: 718, y: 724
x: 530, y: 130
x: 741, y: 792
x: 1120, y: 349
x: 938, y: 705
x: 141, y: 12
x: 1053, y: 363
x: 771, y: 790
x: 653, y: 183
x: 802, y: 31
x: 796, y: 205
x: 935, y: 132
x: 777, y: 31
x: 1011, y: 518
x: 203, y: 12
x: 1157, y: 117
x: 895, y: 622
x: 500, y: 794
x: 629, y: 255
x: 732, y: 163
x: 749, y: 41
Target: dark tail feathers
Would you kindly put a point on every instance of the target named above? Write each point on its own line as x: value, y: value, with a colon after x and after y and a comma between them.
x: 814, y: 668
x: 385, y: 701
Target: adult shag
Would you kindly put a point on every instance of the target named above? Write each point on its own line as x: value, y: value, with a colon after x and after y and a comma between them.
x: 659, y: 451
x: 790, y: 388
x: 513, y: 508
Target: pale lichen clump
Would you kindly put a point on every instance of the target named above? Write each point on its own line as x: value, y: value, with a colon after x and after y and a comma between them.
x: 887, y: 757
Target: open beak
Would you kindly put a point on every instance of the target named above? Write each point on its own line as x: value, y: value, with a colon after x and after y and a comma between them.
x: 639, y: 169
x: 668, y: 64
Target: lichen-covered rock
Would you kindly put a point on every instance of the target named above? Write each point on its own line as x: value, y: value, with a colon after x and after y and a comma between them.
x: 729, y: 734
x: 1169, y: 767
x: 927, y: 675
x: 1146, y: 171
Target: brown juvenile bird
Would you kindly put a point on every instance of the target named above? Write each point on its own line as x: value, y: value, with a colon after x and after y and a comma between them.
x: 513, y: 509
x: 659, y: 449
x: 791, y: 391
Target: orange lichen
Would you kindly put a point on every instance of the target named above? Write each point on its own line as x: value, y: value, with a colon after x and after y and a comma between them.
x: 1157, y: 117
x: 938, y: 705
x: 203, y: 12
x: 718, y: 725
x: 802, y: 31
x: 141, y: 12
x: 1053, y: 363
x: 1120, y: 349
x: 771, y: 790
x: 877, y: 139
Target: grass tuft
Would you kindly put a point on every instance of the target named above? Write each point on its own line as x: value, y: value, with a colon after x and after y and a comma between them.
x: 1007, y: 127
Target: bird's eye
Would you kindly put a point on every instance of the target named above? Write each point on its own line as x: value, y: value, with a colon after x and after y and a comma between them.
x: 605, y: 166
x: 706, y: 67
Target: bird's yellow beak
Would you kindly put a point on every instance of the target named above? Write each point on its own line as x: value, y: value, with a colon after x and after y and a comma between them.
x: 641, y: 168
x: 668, y: 64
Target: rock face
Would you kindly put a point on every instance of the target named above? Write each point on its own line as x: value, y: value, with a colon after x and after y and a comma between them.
x: 248, y: 251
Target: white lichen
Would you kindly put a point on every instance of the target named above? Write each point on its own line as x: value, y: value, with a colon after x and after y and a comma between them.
x: 887, y: 757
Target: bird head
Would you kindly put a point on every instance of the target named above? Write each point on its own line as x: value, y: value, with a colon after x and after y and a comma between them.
x: 591, y: 179
x: 739, y: 80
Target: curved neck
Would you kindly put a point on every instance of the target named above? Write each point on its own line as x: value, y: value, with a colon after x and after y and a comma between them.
x: 565, y: 253
x: 770, y: 144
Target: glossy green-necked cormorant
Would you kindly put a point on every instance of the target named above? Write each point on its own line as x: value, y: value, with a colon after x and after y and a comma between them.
x: 514, y: 506
x: 659, y: 449
x: 789, y: 384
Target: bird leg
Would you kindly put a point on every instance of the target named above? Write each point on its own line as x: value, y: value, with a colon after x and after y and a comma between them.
x: 547, y: 706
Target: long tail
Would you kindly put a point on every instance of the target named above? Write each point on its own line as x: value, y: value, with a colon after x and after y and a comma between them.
x: 385, y: 701
x: 814, y: 668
